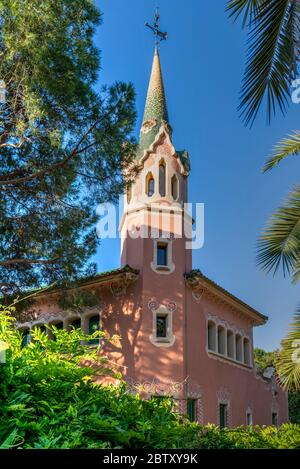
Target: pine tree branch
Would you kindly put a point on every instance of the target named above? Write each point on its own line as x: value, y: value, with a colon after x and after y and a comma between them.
x: 29, y: 261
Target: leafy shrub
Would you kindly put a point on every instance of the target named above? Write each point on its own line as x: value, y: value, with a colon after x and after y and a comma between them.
x: 48, y: 399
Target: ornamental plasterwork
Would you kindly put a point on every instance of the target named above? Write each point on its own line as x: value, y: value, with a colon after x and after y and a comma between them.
x: 119, y: 286
x: 153, y: 305
x: 157, y: 388
x: 224, y: 397
x: 228, y: 325
x: 65, y: 317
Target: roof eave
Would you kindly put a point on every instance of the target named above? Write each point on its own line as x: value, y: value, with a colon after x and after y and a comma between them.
x: 197, y: 280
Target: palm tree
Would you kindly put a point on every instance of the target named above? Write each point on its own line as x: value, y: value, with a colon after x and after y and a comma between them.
x: 272, y: 65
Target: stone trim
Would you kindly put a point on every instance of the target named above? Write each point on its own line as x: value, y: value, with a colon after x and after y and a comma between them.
x: 170, y: 267
x: 224, y: 397
x: 162, y: 341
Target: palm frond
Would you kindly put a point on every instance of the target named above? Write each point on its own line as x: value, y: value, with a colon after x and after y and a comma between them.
x: 249, y: 8
x: 273, y: 54
x: 287, y: 147
x: 279, y: 243
x: 287, y: 362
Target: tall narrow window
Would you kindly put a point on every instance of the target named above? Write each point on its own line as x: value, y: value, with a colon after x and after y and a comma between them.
x: 149, y: 185
x: 174, y: 187
x: 191, y: 410
x: 40, y: 327
x: 249, y: 419
x: 25, y: 337
x: 58, y: 325
x: 223, y: 410
x: 161, y: 326
x: 162, y: 178
x: 211, y: 336
x: 246, y: 351
x: 221, y: 340
x: 238, y: 348
x: 162, y: 254
x: 94, y: 327
x: 275, y: 419
x: 230, y: 344
x: 76, y: 324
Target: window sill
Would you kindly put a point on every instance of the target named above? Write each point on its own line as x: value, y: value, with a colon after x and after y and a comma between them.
x: 162, y: 342
x: 228, y: 359
x: 163, y: 267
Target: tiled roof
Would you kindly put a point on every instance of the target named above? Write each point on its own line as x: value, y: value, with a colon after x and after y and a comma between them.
x: 98, y: 278
x: 197, y: 274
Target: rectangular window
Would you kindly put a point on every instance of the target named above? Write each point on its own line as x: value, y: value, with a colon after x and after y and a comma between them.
x: 275, y: 419
x: 223, y: 415
x: 249, y: 420
x: 162, y: 254
x: 191, y: 410
x: 161, y: 326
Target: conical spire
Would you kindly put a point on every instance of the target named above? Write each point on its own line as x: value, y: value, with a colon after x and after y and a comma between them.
x: 156, y: 105
x: 156, y: 112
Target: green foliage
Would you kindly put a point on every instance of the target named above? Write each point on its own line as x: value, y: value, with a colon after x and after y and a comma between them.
x: 273, y: 53
x: 272, y: 63
x: 264, y: 359
x: 288, y: 361
x: 289, y: 146
x: 294, y: 407
x: 279, y: 244
x: 64, y: 141
x: 49, y: 399
x: 285, y: 437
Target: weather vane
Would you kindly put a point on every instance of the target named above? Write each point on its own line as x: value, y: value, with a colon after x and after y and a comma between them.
x: 159, y: 35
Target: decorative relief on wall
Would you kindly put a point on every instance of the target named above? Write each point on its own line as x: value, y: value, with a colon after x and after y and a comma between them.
x: 119, y: 286
x: 153, y: 305
x: 198, y: 294
x: 227, y: 324
x: 157, y: 388
x: 224, y: 397
x: 194, y: 391
x: 172, y: 306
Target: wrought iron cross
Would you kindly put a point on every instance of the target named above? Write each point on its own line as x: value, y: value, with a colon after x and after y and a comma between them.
x: 159, y: 35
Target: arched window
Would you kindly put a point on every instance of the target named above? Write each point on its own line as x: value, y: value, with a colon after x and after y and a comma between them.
x: 25, y: 337
x: 230, y: 344
x: 59, y: 325
x: 246, y: 351
x: 174, y: 187
x: 238, y: 348
x: 75, y: 324
x: 94, y: 326
x: 221, y: 340
x: 211, y: 336
x: 40, y: 327
x: 162, y: 178
x: 149, y: 185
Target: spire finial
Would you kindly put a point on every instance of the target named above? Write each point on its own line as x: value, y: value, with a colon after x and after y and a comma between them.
x: 159, y: 35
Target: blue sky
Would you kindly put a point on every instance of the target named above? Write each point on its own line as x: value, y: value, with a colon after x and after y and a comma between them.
x: 203, y: 62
